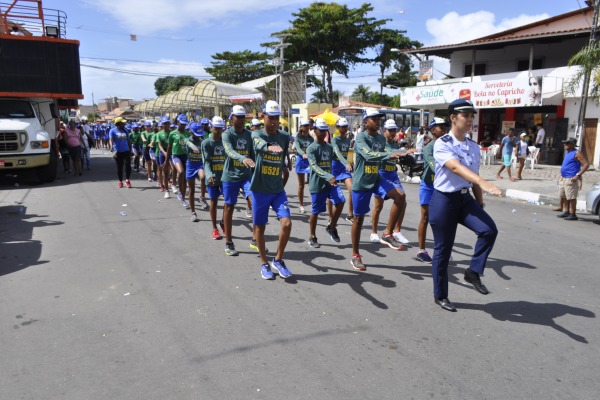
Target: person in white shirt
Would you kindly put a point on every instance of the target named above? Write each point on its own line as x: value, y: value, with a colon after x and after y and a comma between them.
x: 539, y: 140
x: 16, y: 32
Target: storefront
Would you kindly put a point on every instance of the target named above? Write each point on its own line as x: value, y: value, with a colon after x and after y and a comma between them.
x: 515, y: 102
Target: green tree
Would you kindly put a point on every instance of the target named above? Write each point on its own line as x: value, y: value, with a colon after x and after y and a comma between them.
x: 170, y: 83
x: 332, y: 37
x: 240, y: 66
x: 387, y: 40
x: 361, y: 93
x: 92, y: 117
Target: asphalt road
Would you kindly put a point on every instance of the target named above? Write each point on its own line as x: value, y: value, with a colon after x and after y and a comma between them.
x: 96, y: 305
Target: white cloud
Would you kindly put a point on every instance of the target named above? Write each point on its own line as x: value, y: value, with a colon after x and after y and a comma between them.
x: 104, y: 82
x: 455, y: 28
x: 146, y: 17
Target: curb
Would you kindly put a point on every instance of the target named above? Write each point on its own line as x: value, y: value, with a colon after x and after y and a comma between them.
x: 538, y: 199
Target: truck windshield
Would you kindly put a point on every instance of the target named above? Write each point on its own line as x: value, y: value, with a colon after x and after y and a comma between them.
x: 16, y: 109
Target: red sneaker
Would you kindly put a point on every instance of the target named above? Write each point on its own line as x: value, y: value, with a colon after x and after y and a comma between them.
x: 120, y: 185
x: 216, y: 234
x: 127, y: 183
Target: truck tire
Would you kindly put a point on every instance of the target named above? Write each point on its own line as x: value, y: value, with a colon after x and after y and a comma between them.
x: 47, y: 173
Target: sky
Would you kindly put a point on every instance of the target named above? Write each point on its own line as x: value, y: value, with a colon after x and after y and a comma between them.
x: 179, y: 37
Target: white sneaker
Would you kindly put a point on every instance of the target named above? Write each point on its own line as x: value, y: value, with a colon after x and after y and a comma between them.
x: 194, y: 217
x: 174, y: 188
x: 374, y: 238
x: 248, y: 212
x: 302, y: 210
x: 167, y: 195
x: 400, y: 237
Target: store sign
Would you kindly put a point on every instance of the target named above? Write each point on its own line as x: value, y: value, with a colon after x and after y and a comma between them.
x: 514, y: 92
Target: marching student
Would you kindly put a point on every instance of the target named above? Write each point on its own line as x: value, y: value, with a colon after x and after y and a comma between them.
x: 270, y: 149
x: 369, y: 152
x: 237, y: 141
x: 213, y: 154
x: 323, y: 185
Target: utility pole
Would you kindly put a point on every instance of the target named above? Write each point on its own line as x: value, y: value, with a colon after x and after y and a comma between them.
x: 279, y: 61
x: 580, y: 132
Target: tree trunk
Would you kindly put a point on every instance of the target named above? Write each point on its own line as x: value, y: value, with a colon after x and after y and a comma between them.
x: 329, y: 86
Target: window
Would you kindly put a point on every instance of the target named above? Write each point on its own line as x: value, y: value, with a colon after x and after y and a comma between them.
x: 523, y: 65
x: 479, y: 69
x: 16, y: 109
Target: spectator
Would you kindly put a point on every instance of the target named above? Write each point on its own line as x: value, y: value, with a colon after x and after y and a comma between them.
x: 86, y: 139
x: 64, y: 149
x: 539, y: 139
x: 74, y: 139
x: 507, y: 145
x: 16, y: 31
x: 121, y: 145
x: 521, y: 152
x: 573, y: 167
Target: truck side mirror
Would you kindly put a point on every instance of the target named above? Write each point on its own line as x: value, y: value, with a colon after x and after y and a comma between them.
x: 54, y: 111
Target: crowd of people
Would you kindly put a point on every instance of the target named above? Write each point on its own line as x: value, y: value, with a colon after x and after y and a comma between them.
x: 251, y: 160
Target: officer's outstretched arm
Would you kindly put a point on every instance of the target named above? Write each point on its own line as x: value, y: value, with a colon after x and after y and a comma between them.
x: 455, y: 166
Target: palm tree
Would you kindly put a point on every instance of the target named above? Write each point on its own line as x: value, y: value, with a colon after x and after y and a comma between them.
x: 589, y: 60
x: 361, y: 93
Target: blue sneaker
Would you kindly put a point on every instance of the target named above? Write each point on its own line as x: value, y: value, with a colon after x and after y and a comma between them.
x: 265, y: 272
x: 281, y: 269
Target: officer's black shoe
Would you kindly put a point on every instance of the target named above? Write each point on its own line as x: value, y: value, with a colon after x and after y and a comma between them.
x: 445, y: 304
x: 563, y: 215
x: 472, y: 277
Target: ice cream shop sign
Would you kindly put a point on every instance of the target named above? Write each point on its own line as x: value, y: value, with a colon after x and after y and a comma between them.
x: 516, y: 92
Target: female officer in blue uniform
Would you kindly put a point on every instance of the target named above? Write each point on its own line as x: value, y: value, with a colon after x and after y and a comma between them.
x: 456, y: 171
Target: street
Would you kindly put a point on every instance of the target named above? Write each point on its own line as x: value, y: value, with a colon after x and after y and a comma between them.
x: 99, y: 305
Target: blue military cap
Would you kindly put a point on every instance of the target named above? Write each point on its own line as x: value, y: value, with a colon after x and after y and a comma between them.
x: 461, y: 105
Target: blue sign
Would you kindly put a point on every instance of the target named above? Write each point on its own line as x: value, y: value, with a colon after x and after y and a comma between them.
x: 294, y: 111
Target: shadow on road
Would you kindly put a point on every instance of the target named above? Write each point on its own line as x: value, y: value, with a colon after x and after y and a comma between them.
x: 354, y: 279
x: 17, y: 248
x: 531, y: 313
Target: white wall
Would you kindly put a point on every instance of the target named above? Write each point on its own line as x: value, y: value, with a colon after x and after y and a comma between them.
x: 505, y: 60
x: 592, y: 111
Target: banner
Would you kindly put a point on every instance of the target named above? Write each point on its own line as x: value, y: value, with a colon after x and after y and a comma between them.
x: 513, y: 92
x: 425, y: 70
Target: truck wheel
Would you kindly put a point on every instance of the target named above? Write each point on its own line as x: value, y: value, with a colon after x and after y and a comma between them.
x: 47, y: 173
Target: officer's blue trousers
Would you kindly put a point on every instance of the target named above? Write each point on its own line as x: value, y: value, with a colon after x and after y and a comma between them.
x: 446, y: 211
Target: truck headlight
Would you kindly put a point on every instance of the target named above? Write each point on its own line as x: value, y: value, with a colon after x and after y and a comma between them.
x: 40, y: 144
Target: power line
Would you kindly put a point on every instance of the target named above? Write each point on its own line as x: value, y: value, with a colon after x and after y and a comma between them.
x: 140, y: 61
x: 139, y: 73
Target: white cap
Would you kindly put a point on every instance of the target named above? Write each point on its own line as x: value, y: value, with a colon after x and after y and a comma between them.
x: 371, y: 112
x: 255, y: 122
x: 390, y: 124
x: 272, y: 109
x: 342, y: 122
x: 238, y: 111
x: 218, y: 122
x: 320, y: 124
x: 304, y: 122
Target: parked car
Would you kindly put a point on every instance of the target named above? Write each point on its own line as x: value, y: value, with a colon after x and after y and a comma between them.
x: 592, y: 199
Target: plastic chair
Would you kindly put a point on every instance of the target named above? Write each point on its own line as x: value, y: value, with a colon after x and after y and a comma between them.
x: 492, y: 153
x: 482, y: 155
x: 532, y: 157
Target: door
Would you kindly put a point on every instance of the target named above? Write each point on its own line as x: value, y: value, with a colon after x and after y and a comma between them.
x: 589, y: 139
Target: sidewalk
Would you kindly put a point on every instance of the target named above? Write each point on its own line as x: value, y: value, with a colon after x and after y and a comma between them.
x: 539, y: 186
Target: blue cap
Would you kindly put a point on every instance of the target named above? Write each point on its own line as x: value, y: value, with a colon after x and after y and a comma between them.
x: 204, y: 121
x: 196, y: 129
x: 173, y: 126
x: 461, y: 105
x: 165, y: 119
x: 147, y: 123
x: 183, y: 119
x: 437, y: 121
